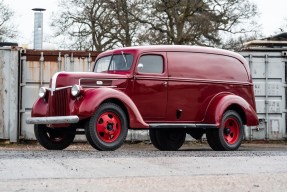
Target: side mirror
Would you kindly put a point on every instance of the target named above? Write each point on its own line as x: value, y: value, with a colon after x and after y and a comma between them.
x: 140, y: 67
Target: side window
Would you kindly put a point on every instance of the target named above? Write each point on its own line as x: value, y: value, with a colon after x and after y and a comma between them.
x: 150, y: 64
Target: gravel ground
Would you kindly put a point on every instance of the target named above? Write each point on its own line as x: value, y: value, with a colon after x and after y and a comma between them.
x: 146, y: 145
x: 140, y: 167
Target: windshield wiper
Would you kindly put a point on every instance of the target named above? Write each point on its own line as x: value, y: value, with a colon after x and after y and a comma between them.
x: 124, y: 59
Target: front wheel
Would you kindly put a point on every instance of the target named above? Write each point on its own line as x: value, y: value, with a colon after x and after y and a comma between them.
x: 229, y: 136
x: 54, y: 139
x: 167, y: 139
x: 107, y: 128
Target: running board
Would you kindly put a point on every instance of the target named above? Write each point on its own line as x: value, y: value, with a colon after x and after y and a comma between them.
x: 181, y: 125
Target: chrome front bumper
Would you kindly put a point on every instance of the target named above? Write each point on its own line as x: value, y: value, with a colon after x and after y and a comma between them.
x: 53, y: 120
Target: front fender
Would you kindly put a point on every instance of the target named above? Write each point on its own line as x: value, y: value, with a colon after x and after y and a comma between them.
x: 222, y: 102
x: 40, y: 108
x: 93, y: 98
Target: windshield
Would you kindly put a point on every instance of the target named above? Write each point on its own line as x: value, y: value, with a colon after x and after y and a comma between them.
x: 122, y: 62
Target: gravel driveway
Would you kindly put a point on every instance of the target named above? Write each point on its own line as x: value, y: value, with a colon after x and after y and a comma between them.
x: 139, y: 167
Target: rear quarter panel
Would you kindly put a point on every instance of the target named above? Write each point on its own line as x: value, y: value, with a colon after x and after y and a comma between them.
x: 195, y: 78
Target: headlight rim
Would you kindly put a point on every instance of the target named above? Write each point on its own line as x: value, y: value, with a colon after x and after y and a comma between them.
x: 43, y: 93
x: 76, y: 88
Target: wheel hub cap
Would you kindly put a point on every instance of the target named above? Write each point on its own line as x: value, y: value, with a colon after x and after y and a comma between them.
x: 227, y: 131
x: 231, y: 130
x: 108, y: 127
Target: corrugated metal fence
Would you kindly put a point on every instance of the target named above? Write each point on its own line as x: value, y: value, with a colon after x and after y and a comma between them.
x: 37, y: 67
x: 9, y: 69
x: 22, y: 72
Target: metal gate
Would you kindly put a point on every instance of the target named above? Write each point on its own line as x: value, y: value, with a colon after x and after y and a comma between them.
x: 37, y: 67
x: 9, y: 62
x: 268, y: 69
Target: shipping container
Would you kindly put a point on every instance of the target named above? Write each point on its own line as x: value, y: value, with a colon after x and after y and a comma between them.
x: 268, y: 69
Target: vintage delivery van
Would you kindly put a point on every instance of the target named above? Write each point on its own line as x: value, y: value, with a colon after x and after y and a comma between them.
x: 170, y: 90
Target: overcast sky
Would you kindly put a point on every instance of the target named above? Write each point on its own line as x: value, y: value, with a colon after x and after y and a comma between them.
x: 272, y: 14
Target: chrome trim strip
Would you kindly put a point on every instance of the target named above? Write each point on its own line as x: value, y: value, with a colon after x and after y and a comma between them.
x: 85, y: 86
x: 99, y: 86
x: 54, y: 80
x: 196, y: 80
x: 181, y: 125
x: 57, y: 89
x: 53, y: 120
x: 60, y: 88
x: 96, y: 79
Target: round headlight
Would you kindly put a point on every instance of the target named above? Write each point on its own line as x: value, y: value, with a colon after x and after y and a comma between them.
x: 76, y: 90
x: 42, y: 92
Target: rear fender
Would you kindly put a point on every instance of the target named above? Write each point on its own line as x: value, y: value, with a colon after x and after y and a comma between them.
x: 223, y: 102
x: 93, y: 98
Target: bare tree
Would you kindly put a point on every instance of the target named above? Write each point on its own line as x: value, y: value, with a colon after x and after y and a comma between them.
x: 237, y: 43
x: 126, y: 25
x: 282, y: 28
x: 7, y: 30
x: 86, y: 22
x: 97, y: 24
x: 104, y: 24
x: 194, y: 21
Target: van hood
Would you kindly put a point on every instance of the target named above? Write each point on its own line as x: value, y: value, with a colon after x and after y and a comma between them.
x: 88, y: 79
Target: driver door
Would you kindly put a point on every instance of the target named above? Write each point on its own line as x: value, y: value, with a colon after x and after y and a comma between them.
x: 150, y: 86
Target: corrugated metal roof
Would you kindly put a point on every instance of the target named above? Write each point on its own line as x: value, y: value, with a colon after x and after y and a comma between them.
x: 276, y: 41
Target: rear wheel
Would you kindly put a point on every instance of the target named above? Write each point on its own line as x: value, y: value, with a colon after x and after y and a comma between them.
x: 107, y: 128
x: 54, y: 139
x: 229, y: 136
x: 167, y: 139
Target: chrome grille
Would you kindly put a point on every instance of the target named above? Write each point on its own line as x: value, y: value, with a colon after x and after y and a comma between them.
x: 58, y: 103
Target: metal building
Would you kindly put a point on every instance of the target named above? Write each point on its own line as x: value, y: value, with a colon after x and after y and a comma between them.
x: 268, y: 59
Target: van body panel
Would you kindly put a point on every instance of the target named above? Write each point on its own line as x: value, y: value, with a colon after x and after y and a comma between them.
x: 224, y: 101
x: 187, y: 88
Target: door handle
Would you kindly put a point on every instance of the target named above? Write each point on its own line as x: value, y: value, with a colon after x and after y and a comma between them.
x: 165, y: 83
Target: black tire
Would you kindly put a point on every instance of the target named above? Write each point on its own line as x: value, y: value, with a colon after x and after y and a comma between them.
x: 107, y: 129
x: 196, y: 133
x: 54, y: 139
x: 229, y: 136
x: 153, y: 139
x: 167, y: 139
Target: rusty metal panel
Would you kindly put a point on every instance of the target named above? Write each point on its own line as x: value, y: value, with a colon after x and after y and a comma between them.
x: 9, y: 93
x: 269, y: 78
x: 2, y: 91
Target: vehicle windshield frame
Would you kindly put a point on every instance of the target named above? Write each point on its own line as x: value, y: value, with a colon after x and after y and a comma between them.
x: 115, y: 62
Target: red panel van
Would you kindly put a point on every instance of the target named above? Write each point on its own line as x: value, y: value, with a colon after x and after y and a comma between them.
x: 170, y: 90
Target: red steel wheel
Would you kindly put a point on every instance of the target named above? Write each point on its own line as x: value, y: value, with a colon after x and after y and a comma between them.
x: 229, y: 136
x: 108, y: 127
x: 231, y: 130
